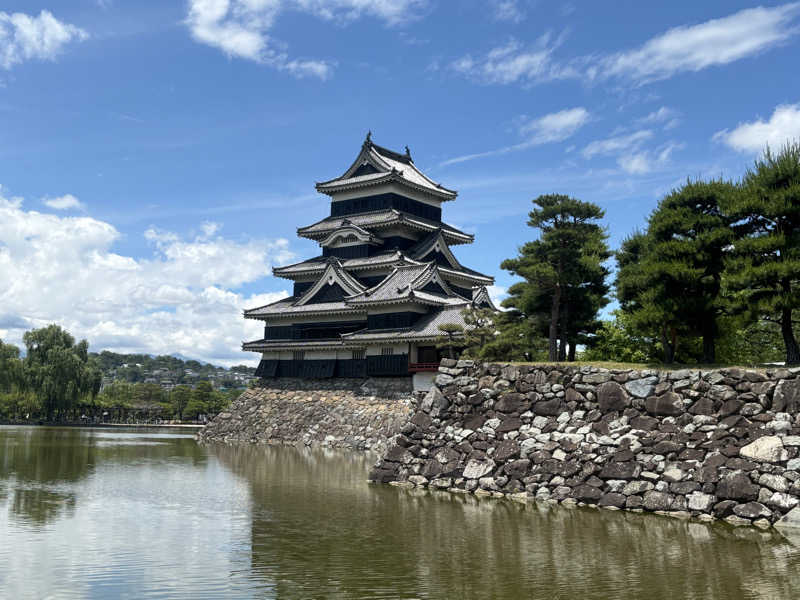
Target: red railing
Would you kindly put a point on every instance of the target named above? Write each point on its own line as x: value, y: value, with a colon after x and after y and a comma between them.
x: 419, y: 367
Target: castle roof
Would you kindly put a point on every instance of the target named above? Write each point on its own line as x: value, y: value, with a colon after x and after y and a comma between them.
x: 415, y: 283
x: 376, y: 165
x: 379, y: 219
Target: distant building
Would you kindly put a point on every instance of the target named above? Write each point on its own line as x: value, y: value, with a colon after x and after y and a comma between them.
x: 372, y: 302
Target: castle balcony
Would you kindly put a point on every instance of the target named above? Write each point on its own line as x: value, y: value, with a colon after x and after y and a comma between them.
x: 423, y: 367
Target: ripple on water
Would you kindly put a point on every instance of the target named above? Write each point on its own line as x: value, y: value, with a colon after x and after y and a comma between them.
x: 118, y: 516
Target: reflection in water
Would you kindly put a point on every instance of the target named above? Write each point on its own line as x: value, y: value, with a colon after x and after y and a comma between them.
x: 87, y: 513
x: 319, y: 529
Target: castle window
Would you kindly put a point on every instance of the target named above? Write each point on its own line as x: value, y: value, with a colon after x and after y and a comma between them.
x: 298, y: 355
x: 387, y: 351
x: 359, y: 354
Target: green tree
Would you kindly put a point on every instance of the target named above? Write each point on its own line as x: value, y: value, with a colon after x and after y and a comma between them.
x: 764, y: 273
x: 179, y: 397
x: 646, y: 298
x: 10, y: 367
x: 560, y: 267
x: 688, y: 238
x: 479, y: 329
x: 58, y: 370
x: 452, y: 337
x: 619, y: 341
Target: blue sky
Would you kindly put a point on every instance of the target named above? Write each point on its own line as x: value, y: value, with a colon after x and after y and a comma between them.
x: 156, y: 157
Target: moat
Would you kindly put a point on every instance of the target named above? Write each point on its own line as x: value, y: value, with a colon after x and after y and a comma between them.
x: 101, y: 513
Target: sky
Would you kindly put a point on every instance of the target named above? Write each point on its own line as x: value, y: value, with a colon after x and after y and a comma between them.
x: 156, y: 157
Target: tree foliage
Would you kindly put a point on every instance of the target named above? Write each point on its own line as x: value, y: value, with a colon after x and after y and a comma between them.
x: 669, y: 278
x: 764, y: 273
x: 58, y: 370
x: 563, y: 272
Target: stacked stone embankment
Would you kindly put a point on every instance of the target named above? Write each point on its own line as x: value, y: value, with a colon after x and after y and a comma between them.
x: 339, y: 413
x: 721, y: 444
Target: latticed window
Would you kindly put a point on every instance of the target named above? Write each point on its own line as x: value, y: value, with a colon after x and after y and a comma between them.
x: 359, y: 354
x: 387, y: 351
x: 298, y: 355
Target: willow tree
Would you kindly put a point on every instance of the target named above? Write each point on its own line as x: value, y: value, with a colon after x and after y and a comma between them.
x: 10, y: 367
x: 560, y: 267
x: 58, y: 370
x: 764, y: 272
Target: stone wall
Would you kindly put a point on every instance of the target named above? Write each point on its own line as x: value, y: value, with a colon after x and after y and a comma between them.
x: 359, y: 414
x: 721, y: 444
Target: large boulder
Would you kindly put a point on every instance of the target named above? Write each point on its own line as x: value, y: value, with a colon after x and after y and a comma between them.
x: 612, y: 397
x: 654, y: 500
x: 512, y: 402
x: 735, y: 485
x: 790, y: 520
x: 586, y: 493
x: 642, y: 388
x: 666, y: 405
x: 786, y: 397
x: 434, y: 402
x: 765, y: 449
x: 476, y: 469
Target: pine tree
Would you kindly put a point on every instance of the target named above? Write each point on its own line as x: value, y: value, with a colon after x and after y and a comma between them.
x: 689, y: 237
x: 765, y: 269
x: 479, y: 329
x: 451, y: 338
x: 563, y: 269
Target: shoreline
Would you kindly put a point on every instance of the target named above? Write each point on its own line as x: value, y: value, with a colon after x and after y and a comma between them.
x: 101, y: 425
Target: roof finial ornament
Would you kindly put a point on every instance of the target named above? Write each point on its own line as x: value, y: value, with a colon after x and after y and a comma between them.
x: 369, y: 137
x: 408, y: 153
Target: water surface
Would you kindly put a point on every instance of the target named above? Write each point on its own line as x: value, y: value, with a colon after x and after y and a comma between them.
x: 93, y: 513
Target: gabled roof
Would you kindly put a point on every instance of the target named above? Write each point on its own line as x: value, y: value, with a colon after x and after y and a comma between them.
x: 434, y: 242
x: 480, y: 295
x: 405, y: 284
x: 317, y: 264
x: 333, y: 274
x: 389, y: 166
x: 379, y: 219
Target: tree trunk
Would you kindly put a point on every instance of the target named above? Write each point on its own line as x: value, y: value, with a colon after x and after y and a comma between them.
x: 709, y: 340
x: 562, y: 346
x: 553, y: 333
x: 669, y: 346
x: 571, y: 355
x: 792, y: 349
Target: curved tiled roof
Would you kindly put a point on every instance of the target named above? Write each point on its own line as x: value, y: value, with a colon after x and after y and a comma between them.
x: 391, y: 166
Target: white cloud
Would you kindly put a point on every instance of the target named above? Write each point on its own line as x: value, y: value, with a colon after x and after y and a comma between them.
x: 514, y: 62
x: 782, y: 127
x: 668, y: 116
x: 182, y: 298
x: 25, y: 37
x: 241, y: 28
x: 696, y: 47
x: 507, y: 10
x: 688, y: 48
x: 65, y: 202
x: 553, y: 127
x: 617, y: 144
x: 647, y: 161
x: 497, y: 293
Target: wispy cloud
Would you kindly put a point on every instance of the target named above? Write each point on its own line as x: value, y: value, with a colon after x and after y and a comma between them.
x: 241, y: 28
x: 783, y: 126
x: 25, y: 37
x: 668, y: 116
x: 515, y: 62
x: 697, y: 47
x: 647, y: 161
x: 616, y: 144
x: 688, y: 48
x: 553, y: 127
x: 507, y: 10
